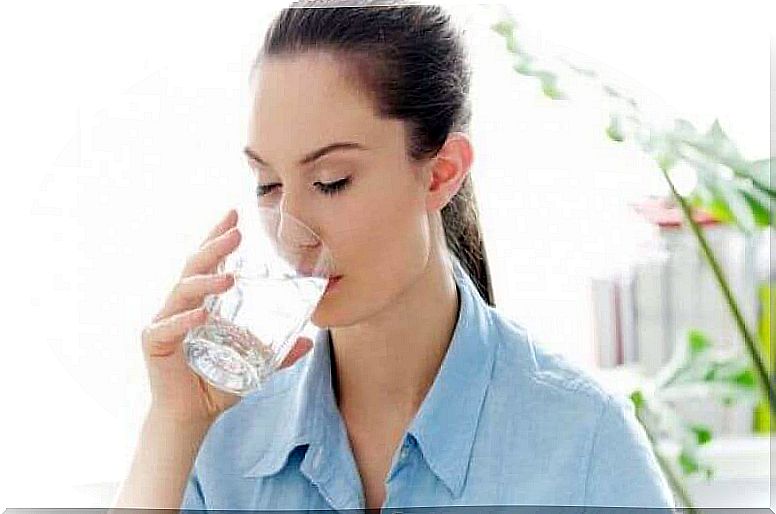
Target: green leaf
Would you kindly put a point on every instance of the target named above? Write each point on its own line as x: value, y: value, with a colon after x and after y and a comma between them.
x: 582, y: 71
x: 637, y: 397
x: 720, y: 211
x: 666, y: 156
x: 504, y: 27
x: 666, y: 161
x: 722, y: 197
x: 760, y: 172
x: 759, y: 206
x: 614, y: 130
x: 542, y: 74
x: 660, y: 146
x: 611, y: 91
x: 684, y: 128
x: 688, y: 462
x: 702, y: 433
x: 549, y: 84
x: 548, y: 79
x: 551, y: 91
x: 745, y: 379
x: 732, y: 197
x: 698, y: 341
x: 717, y: 137
x: 524, y: 67
x: 715, y: 146
x: 704, y: 198
x: 512, y: 46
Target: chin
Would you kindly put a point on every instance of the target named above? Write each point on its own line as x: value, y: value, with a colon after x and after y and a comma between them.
x: 349, y: 306
x: 329, y: 313
x: 337, y: 308
x: 328, y: 321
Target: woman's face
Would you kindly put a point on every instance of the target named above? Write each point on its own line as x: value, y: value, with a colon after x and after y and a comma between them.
x: 376, y: 225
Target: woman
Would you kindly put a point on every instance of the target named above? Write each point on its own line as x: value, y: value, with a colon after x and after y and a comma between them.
x: 418, y: 392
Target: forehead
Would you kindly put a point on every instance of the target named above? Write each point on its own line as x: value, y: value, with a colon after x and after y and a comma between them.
x: 306, y: 101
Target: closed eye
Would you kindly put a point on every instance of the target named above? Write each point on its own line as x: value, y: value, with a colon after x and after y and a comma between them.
x: 327, y: 188
x: 335, y: 187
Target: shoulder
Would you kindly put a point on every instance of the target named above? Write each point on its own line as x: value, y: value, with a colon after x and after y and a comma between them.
x: 521, y: 362
x: 558, y: 408
x: 547, y: 401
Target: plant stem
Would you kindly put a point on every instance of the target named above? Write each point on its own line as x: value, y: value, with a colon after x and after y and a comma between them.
x: 673, y: 480
x: 765, y: 382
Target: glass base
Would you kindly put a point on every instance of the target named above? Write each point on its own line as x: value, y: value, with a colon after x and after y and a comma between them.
x: 221, y: 366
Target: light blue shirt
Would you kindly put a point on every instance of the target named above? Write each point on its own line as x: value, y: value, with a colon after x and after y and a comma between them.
x: 504, y: 423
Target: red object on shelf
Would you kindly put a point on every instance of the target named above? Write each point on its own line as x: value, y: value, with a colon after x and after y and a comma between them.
x: 666, y: 214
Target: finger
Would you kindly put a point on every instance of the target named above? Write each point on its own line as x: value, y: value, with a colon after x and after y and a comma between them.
x: 302, y: 346
x: 191, y: 291
x: 225, y: 224
x: 206, y: 258
x: 158, y: 336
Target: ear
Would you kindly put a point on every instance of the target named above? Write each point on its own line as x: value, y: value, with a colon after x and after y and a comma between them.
x: 448, y: 170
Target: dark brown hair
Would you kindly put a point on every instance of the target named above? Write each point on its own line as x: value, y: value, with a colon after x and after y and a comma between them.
x: 412, y: 61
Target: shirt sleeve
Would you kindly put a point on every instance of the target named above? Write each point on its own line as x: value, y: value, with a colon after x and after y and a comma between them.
x: 624, y: 471
x: 193, y: 499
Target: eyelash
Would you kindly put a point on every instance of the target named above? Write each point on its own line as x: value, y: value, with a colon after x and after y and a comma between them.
x: 330, y: 189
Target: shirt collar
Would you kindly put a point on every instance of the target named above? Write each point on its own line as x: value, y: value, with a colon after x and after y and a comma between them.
x: 446, y: 423
x: 445, y: 434
x: 309, y: 410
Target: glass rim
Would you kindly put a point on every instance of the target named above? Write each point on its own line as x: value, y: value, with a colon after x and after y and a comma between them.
x: 297, y: 221
x: 320, y: 265
x: 250, y: 277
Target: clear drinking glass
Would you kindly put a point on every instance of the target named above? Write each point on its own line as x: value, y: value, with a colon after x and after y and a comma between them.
x: 281, y: 270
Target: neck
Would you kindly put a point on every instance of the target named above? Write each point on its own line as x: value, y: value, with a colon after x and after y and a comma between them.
x: 384, y: 366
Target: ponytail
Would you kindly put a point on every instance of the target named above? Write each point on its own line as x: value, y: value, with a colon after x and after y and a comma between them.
x: 460, y: 218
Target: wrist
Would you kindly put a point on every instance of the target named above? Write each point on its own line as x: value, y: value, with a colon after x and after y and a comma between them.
x: 158, y: 417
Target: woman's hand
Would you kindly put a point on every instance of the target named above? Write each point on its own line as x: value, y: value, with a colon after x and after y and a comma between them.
x: 177, y: 392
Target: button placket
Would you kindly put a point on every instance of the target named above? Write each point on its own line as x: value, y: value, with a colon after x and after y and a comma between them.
x: 401, y: 463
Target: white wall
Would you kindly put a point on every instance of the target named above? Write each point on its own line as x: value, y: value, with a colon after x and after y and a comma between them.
x: 122, y: 126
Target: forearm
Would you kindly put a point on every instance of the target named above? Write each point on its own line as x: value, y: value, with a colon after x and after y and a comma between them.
x: 163, y: 459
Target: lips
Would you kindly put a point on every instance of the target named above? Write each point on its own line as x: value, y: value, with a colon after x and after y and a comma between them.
x: 332, y: 282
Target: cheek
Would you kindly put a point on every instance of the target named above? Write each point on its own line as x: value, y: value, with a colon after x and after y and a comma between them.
x: 383, y: 250
x: 382, y: 221
x: 379, y: 224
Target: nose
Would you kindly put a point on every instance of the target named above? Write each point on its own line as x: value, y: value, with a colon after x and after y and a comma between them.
x: 292, y: 228
x: 298, y: 243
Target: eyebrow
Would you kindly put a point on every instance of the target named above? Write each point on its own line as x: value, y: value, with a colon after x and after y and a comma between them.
x: 314, y: 155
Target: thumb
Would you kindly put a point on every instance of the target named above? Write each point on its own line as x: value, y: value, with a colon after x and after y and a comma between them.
x: 302, y: 346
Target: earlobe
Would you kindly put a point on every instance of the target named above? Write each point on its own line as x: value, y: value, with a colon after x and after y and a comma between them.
x: 443, y: 188
x: 448, y: 171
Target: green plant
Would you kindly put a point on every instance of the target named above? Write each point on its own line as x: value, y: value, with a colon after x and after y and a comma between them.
x: 695, y: 368
x: 733, y: 189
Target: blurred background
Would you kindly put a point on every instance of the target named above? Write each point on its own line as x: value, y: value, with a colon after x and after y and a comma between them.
x: 124, y: 126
